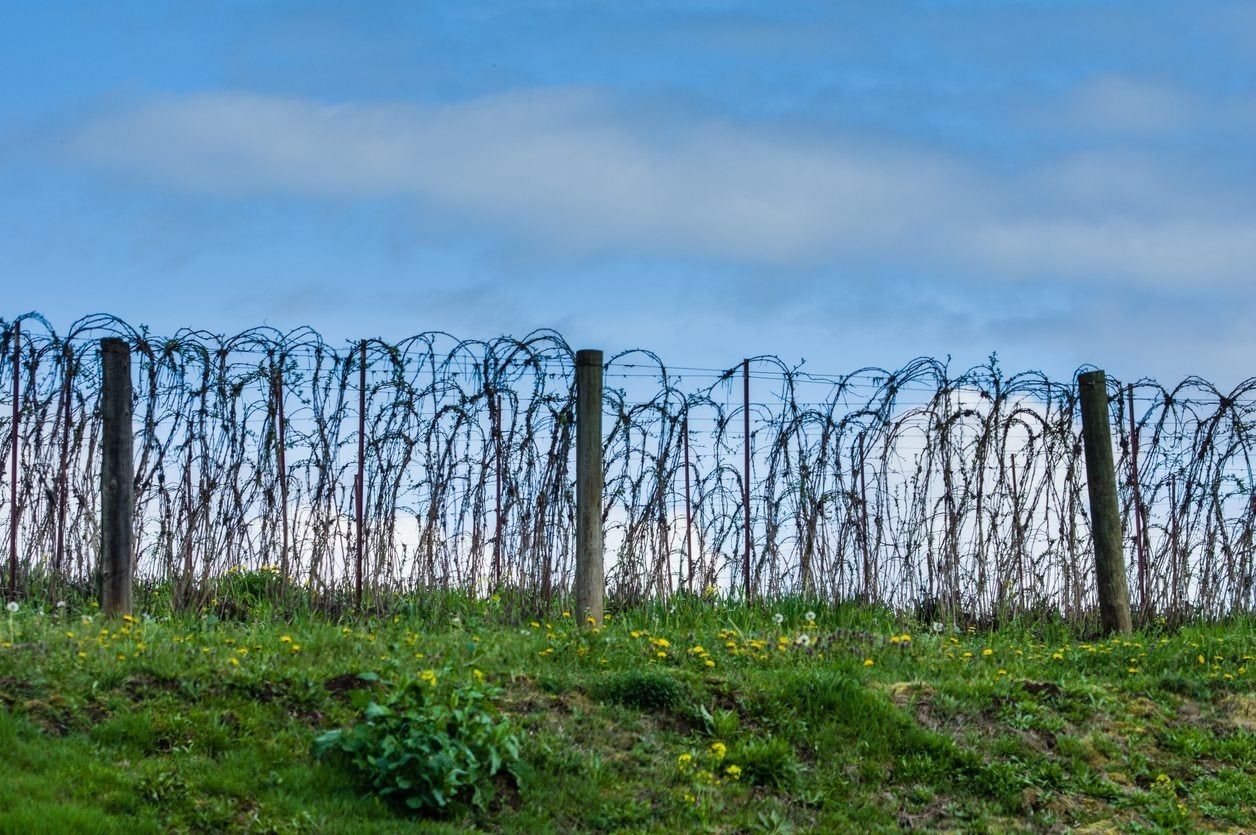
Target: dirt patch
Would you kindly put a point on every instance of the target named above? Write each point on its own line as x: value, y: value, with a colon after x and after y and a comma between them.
x: 145, y: 685
x: 1239, y: 711
x: 13, y: 690
x: 346, y: 683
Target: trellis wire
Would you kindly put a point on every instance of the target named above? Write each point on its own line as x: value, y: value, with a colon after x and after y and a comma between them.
x: 948, y: 492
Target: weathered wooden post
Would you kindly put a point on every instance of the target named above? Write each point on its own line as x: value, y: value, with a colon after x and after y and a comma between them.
x: 1105, y: 513
x: 117, y: 478
x: 589, y: 544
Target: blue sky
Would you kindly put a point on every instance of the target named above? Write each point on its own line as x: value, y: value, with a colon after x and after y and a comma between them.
x: 849, y: 183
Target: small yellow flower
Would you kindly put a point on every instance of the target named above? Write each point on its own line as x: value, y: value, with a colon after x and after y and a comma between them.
x: 234, y: 662
x: 987, y: 652
x: 428, y: 676
x: 295, y: 648
x: 684, y: 759
x: 868, y: 662
x: 733, y: 772
x: 286, y: 639
x: 719, y: 749
x: 710, y: 663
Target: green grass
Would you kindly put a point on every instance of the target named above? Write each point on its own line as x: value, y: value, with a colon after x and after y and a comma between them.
x: 205, y: 725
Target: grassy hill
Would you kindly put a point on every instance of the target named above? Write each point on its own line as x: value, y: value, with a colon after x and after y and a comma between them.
x: 707, y: 717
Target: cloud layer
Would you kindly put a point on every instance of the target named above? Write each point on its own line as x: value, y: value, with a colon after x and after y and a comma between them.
x: 575, y: 171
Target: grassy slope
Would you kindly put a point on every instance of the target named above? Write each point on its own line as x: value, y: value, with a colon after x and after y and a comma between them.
x: 206, y: 726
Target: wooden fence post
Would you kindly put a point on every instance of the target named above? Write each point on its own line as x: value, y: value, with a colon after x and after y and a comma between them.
x: 589, y: 544
x: 1105, y: 512
x: 117, y: 478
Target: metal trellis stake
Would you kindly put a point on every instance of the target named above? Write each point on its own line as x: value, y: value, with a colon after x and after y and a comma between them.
x: 745, y: 478
x: 688, y: 506
x: 1144, y: 591
x: 13, y: 438
x: 63, y: 478
x: 281, y: 453
x: 358, y: 484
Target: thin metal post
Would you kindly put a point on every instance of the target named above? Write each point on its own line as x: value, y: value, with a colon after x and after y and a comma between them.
x: 358, y: 483
x: 745, y: 478
x: 1144, y: 592
x: 281, y: 455
x: 688, y: 506
x: 499, y: 521
x: 63, y: 479
x: 13, y: 438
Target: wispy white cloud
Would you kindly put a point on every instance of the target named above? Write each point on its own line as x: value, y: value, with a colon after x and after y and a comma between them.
x: 575, y: 171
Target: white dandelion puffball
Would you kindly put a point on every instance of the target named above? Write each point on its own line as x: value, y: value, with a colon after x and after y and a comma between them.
x: 779, y: 618
x: 11, y: 607
x: 811, y: 617
x: 937, y: 626
x: 803, y: 640
x: 60, y: 604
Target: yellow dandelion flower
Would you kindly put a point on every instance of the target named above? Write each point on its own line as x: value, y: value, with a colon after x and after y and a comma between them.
x: 868, y: 662
x: 719, y: 749
x: 733, y: 771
